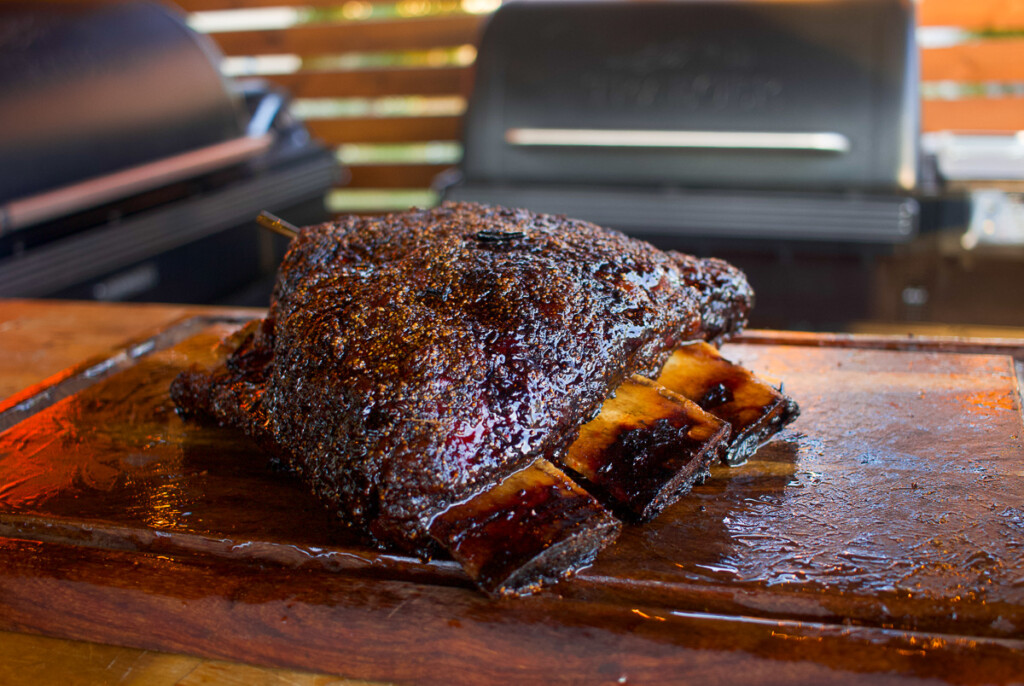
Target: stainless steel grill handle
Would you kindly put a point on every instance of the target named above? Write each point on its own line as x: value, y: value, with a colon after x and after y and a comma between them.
x: 25, y: 212
x: 824, y: 141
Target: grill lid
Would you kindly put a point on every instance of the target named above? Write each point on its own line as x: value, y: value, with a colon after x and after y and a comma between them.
x: 87, y: 90
x: 758, y: 95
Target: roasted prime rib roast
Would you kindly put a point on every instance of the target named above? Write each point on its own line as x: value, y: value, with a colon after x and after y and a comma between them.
x: 476, y: 380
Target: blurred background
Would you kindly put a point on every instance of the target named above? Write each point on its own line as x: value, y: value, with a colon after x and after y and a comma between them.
x: 862, y: 160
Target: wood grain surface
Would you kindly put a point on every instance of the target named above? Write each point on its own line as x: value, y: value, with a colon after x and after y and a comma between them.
x: 877, y: 542
x: 38, y: 341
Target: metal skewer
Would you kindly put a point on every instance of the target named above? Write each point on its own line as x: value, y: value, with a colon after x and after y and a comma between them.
x: 277, y: 225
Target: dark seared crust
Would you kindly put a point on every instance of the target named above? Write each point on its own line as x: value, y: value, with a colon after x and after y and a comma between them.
x: 419, y: 358
x: 725, y: 295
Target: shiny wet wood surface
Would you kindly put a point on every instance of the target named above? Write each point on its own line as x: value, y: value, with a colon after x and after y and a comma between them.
x: 39, y: 341
x: 879, y: 539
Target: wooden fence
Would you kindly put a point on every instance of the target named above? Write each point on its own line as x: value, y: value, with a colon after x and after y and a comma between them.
x: 976, y: 84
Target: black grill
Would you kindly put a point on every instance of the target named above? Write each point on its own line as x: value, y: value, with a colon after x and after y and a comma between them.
x: 727, y: 119
x: 130, y: 169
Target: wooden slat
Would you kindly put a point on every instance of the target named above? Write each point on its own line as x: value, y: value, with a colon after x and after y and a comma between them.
x: 394, y: 175
x: 356, y: 36
x: 972, y: 14
x: 966, y: 13
x: 212, y: 5
x: 385, y: 129
x: 991, y: 60
x: 377, y: 82
x: 974, y: 114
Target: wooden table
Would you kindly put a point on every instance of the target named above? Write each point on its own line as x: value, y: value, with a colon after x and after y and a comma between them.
x: 41, y: 339
x: 100, y: 613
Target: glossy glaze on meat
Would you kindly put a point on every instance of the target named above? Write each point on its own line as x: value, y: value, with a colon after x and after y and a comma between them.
x: 412, y: 360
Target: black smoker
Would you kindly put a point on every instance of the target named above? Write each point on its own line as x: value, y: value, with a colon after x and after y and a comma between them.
x: 130, y: 169
x: 781, y: 135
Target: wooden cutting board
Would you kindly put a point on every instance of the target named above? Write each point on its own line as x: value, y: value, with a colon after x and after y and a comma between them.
x: 881, y: 536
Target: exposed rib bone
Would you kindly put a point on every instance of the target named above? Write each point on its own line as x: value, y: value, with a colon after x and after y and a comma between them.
x: 754, y: 409
x: 529, y: 529
x: 646, y: 447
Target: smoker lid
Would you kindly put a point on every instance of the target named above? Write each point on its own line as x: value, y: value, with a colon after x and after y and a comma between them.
x: 717, y: 94
x: 91, y: 89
